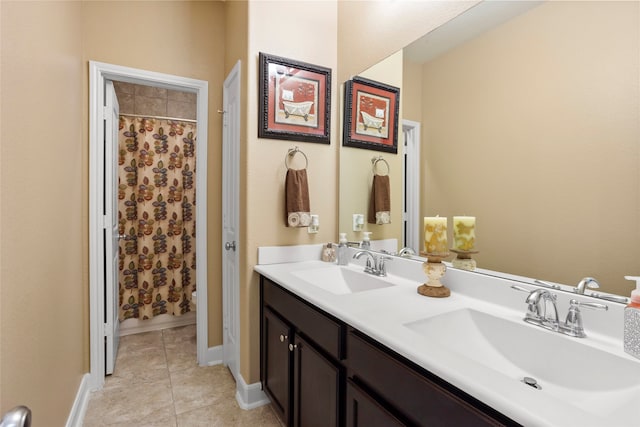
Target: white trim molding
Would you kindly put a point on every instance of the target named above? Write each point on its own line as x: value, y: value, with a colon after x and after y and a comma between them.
x: 98, y: 73
x: 250, y: 396
x: 213, y: 356
x: 411, y: 132
x: 79, y: 408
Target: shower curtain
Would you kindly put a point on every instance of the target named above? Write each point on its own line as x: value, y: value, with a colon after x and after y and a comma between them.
x: 156, y: 213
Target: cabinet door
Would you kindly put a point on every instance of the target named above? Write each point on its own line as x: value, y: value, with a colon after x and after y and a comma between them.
x: 276, y: 363
x: 316, y: 389
x: 364, y: 411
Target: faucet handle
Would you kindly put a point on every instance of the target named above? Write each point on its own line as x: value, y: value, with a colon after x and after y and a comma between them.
x: 573, y: 323
x: 520, y: 288
x: 593, y: 305
x: 381, y: 266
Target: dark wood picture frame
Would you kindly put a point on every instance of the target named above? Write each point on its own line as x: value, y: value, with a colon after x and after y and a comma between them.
x: 295, y: 100
x: 371, y: 115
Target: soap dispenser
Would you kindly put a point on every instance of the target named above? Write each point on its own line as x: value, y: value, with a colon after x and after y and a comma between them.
x: 366, y: 240
x: 632, y: 321
x: 343, y: 250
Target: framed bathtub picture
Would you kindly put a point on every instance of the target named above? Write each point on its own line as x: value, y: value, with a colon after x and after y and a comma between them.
x: 295, y: 100
x: 371, y: 115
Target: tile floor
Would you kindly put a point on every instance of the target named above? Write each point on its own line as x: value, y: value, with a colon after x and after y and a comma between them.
x: 157, y: 383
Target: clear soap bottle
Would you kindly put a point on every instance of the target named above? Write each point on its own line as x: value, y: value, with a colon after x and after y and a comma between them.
x: 343, y: 250
x: 632, y: 321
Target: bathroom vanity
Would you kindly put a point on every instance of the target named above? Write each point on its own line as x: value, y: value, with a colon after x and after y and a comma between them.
x: 341, y: 347
x: 316, y: 369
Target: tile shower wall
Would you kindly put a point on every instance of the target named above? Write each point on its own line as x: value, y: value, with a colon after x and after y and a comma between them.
x: 154, y: 101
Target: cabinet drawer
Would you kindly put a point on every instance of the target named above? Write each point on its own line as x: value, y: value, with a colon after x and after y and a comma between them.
x: 325, y: 331
x: 421, y: 400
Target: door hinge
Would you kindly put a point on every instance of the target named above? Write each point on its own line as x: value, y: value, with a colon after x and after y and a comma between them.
x: 106, y: 223
x: 105, y: 112
x: 108, y: 332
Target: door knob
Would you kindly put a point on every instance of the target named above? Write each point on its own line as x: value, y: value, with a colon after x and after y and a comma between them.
x: 122, y: 236
x: 293, y: 347
x: 20, y: 416
x: 283, y: 337
x: 230, y: 246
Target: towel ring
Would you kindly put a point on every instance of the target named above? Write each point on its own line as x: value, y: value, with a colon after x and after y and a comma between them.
x: 292, y: 152
x: 374, y: 163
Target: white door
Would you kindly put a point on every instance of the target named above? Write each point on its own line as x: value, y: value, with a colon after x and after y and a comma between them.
x: 411, y: 214
x: 230, y: 219
x: 111, y: 322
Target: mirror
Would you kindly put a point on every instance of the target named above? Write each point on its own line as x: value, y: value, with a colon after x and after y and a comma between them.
x: 532, y: 126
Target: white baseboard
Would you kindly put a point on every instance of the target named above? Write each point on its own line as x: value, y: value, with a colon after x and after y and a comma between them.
x: 164, y: 321
x: 213, y: 356
x: 79, y: 408
x: 250, y: 396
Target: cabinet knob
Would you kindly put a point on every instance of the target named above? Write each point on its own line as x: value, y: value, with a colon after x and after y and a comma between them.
x: 293, y: 347
x: 283, y: 337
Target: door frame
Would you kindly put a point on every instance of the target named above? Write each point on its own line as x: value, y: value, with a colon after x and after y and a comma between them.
x: 98, y: 73
x: 411, y: 193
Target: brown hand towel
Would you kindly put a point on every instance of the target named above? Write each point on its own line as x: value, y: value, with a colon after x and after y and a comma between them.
x: 380, y: 204
x: 296, y: 199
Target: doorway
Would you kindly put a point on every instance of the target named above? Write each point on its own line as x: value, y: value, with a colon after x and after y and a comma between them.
x: 411, y: 193
x: 100, y: 327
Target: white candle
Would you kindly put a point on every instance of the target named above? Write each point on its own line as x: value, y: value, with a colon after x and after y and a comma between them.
x: 435, y: 235
x: 464, y: 232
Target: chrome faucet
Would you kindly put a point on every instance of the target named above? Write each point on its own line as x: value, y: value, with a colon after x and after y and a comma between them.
x: 587, y: 282
x: 375, y: 265
x: 539, y: 300
x: 406, y: 252
x: 537, y: 314
x: 370, y: 266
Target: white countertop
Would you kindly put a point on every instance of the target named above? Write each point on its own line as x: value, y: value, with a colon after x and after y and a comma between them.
x: 382, y: 313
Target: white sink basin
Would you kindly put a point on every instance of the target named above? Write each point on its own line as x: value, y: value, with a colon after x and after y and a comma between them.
x: 592, y: 379
x: 341, y: 280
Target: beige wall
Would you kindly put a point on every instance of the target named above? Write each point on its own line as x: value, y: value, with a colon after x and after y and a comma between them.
x: 505, y: 117
x: 369, y: 31
x: 190, y: 43
x: 295, y: 30
x: 43, y: 298
x: 411, y: 97
x: 356, y: 172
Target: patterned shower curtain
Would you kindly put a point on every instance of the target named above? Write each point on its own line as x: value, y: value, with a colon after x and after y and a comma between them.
x: 156, y: 204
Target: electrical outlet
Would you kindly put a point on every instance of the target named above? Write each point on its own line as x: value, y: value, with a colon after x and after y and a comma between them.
x: 358, y: 222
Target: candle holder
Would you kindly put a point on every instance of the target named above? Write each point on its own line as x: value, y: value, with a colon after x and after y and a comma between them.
x: 463, y: 260
x: 434, y: 269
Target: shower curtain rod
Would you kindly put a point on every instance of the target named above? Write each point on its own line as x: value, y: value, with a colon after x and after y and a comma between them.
x: 177, y: 119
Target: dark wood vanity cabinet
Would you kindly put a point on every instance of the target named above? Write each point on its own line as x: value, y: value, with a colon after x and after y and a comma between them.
x: 276, y: 362
x: 301, y: 348
x: 363, y: 410
x: 318, y: 371
x: 316, y: 387
x: 401, y: 392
